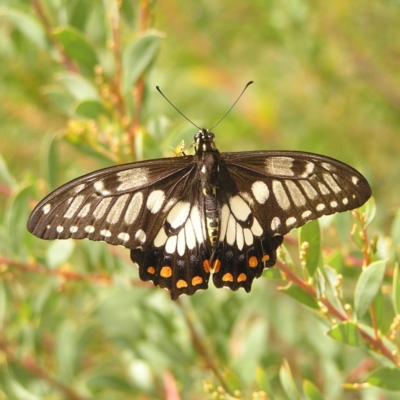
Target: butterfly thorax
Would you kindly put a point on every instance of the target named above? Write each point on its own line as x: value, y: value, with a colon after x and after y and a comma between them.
x: 208, y: 166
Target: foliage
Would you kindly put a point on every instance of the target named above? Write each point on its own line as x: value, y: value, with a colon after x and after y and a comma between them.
x: 75, y: 320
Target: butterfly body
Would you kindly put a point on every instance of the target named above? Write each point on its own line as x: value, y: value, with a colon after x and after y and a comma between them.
x: 184, y: 218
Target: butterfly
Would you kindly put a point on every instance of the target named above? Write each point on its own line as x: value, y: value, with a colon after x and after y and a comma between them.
x: 185, y: 218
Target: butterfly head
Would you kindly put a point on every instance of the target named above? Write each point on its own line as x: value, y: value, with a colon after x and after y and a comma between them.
x: 204, y: 141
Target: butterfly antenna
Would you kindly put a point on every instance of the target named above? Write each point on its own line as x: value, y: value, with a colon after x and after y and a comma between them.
x: 233, y: 105
x: 184, y: 116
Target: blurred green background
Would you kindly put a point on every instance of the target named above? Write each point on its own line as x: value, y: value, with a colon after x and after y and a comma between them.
x: 326, y: 80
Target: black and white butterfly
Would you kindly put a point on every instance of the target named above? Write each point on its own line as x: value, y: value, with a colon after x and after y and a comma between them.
x: 185, y: 217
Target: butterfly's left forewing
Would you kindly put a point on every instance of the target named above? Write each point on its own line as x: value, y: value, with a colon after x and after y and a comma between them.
x: 150, y: 207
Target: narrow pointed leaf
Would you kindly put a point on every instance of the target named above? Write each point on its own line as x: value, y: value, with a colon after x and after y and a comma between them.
x: 385, y: 378
x: 310, y: 233
x: 368, y: 286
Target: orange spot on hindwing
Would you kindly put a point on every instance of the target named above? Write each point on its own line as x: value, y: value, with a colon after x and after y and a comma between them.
x: 265, y: 258
x: 197, y: 280
x: 227, y: 277
x: 216, y: 265
x: 151, y: 270
x: 166, y: 272
x: 206, y: 266
x: 242, y: 277
x: 181, y: 284
x: 253, y: 262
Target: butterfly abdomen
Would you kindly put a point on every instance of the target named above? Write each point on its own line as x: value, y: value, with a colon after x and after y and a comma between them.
x: 208, y: 177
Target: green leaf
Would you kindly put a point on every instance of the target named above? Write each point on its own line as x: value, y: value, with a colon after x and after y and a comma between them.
x: 232, y: 380
x: 310, y: 233
x: 137, y: 57
x: 5, y: 175
x: 312, y: 391
x: 58, y: 252
x: 369, y: 208
x: 77, y: 47
x: 59, y: 98
x: 286, y: 378
x: 263, y: 382
x: 27, y: 24
x: 66, y: 351
x: 51, y: 160
x: 128, y: 12
x: 396, y: 289
x: 91, y: 109
x: 79, y: 87
x: 395, y: 235
x: 385, y: 378
x: 19, y: 213
x: 3, y: 305
x: 347, y: 333
x: 300, y: 295
x: 368, y: 286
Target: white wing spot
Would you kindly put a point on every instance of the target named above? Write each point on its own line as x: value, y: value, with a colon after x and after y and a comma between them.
x: 132, y: 178
x: 260, y: 191
x: 99, y: 188
x: 333, y: 204
x: 178, y: 214
x: 320, y: 207
x: 231, y: 230
x: 46, y: 208
x: 324, y: 190
x: 141, y: 235
x: 133, y: 209
x: 291, y: 221
x: 84, y: 211
x: 308, y: 188
x: 73, y: 229
x: 331, y: 183
x: 181, y: 245
x: 116, y: 210
x: 308, y: 169
x: 248, y: 236
x: 279, y: 166
x: 275, y: 223
x: 280, y: 195
x: 170, y: 246
x: 328, y: 167
x: 155, y: 201
x: 198, y: 227
x: 161, y: 238
x: 101, y: 208
x: 224, y: 221
x: 124, y: 236
x: 239, y: 208
x: 295, y: 193
x: 239, y: 236
x: 89, y: 229
x: 74, y: 206
x: 256, y: 228
x: 60, y: 229
x: 79, y: 188
x: 306, y: 214
x: 355, y: 180
x: 105, y: 232
x: 190, y: 236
